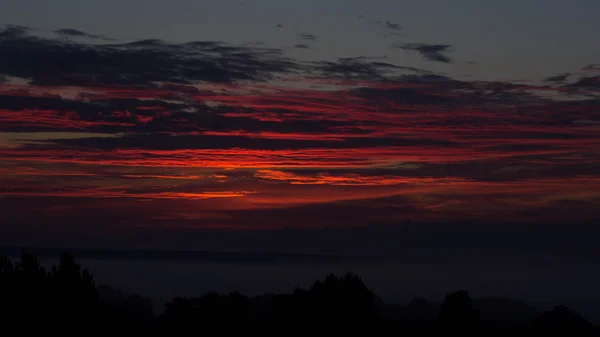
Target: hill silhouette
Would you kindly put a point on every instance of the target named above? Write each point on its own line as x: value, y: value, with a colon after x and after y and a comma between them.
x: 66, y: 291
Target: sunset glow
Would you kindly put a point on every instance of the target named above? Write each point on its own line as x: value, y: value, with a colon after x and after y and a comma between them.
x: 252, y: 145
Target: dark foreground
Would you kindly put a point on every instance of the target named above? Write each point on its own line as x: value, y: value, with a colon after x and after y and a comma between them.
x: 67, y: 297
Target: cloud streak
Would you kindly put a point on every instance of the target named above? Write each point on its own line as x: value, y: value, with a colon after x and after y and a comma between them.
x: 560, y: 78
x: 393, y: 26
x: 69, y: 32
x: 431, y: 52
x: 307, y: 37
x: 592, y: 68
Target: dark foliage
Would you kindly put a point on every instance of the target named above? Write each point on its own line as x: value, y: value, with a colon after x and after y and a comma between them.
x: 66, y: 296
x: 457, y: 315
x: 334, y: 298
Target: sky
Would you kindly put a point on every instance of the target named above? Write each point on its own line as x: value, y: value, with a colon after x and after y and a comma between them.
x: 356, y: 126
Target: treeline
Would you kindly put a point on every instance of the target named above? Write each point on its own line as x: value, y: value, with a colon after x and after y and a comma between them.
x: 66, y: 296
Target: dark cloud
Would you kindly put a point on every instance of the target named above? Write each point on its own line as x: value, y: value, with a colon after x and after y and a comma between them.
x: 13, y: 31
x: 159, y: 43
x: 47, y: 61
x: 393, y: 26
x: 350, y: 69
x: 279, y: 25
x: 392, y: 34
x: 499, y: 170
x: 432, y: 52
x: 404, y: 89
x: 3, y: 79
x: 361, y: 58
x: 175, y: 108
x: 69, y: 32
x: 587, y: 83
x: 362, y: 68
x: 402, y: 95
x: 255, y: 43
x: 592, y: 67
x: 560, y: 78
x: 426, y: 77
x: 168, y: 142
x: 307, y: 37
x: 97, y: 114
x: 302, y: 46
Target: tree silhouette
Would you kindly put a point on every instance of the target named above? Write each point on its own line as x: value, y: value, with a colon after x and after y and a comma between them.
x: 183, y: 314
x: 67, y: 297
x: 420, y: 309
x: 75, y: 286
x: 561, y: 318
x: 334, y: 298
x: 29, y: 291
x: 457, y: 314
